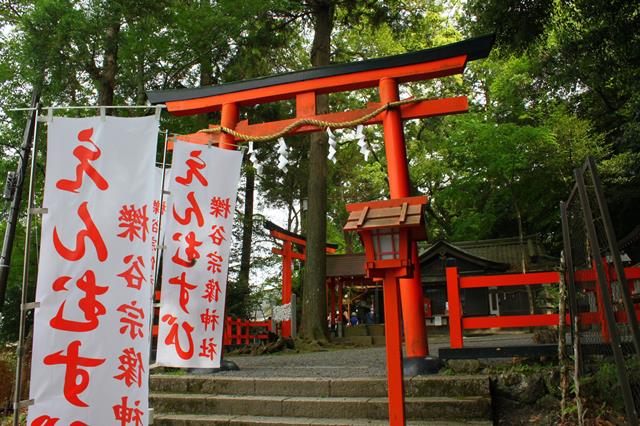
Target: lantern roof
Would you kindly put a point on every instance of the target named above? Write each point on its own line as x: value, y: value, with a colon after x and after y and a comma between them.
x: 389, y: 214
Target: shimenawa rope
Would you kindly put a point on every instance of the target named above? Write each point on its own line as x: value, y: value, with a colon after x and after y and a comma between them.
x: 321, y: 124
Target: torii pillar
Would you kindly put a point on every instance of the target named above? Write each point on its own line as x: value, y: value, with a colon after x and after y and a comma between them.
x: 411, y: 293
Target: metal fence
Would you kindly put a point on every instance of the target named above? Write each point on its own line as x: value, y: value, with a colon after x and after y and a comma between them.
x: 599, y: 290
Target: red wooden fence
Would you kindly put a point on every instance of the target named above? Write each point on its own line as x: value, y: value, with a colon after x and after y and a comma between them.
x: 237, y: 331
x: 458, y: 322
x: 244, y: 332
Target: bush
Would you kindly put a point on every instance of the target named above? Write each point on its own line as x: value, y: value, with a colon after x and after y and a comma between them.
x: 602, y: 385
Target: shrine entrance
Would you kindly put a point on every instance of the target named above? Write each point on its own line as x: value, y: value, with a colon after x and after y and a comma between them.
x: 384, y: 73
x: 293, y: 246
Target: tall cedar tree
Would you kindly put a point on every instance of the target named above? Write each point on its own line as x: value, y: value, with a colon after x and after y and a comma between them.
x: 314, y: 311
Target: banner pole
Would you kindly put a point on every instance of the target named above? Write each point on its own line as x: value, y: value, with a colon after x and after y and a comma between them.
x: 16, y: 198
x: 25, y: 279
x: 159, y: 245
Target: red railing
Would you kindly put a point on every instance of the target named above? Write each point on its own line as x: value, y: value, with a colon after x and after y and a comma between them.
x: 237, y: 331
x: 458, y: 322
x: 240, y: 332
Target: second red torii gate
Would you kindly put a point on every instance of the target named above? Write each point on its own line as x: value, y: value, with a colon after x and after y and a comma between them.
x: 290, y: 241
x: 303, y: 86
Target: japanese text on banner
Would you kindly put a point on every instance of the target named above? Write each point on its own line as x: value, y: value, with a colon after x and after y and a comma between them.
x: 203, y: 188
x: 90, y: 351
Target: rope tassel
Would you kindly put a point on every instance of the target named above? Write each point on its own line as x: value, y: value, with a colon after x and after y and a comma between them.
x: 283, y: 155
x: 254, y: 159
x: 332, y: 146
x: 364, y: 149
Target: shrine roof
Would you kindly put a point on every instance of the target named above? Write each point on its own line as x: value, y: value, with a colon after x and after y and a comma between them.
x: 501, y: 254
x: 346, y: 265
x: 473, y: 48
x: 444, y: 248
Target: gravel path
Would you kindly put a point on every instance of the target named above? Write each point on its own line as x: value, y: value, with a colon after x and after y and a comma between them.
x: 360, y: 362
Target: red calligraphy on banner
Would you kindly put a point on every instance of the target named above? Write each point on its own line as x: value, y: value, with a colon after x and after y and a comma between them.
x: 215, y: 262
x: 133, y: 221
x: 174, y: 339
x: 191, y: 250
x: 91, y: 232
x: 220, y: 207
x: 134, y: 275
x: 185, y: 288
x: 208, y: 349
x: 131, y: 366
x: 217, y: 234
x: 46, y: 420
x: 211, y: 291
x: 195, y: 164
x: 125, y: 414
x: 156, y: 207
x: 76, y: 379
x: 209, y: 319
x: 189, y: 212
x: 130, y: 321
x: 85, y: 156
x: 89, y: 305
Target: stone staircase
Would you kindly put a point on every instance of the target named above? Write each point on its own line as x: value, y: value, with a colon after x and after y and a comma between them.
x: 363, y: 335
x: 228, y: 400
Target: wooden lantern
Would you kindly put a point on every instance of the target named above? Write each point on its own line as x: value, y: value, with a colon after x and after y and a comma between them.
x: 386, y: 228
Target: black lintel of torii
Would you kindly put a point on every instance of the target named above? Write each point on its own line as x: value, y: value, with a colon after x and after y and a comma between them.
x: 474, y: 48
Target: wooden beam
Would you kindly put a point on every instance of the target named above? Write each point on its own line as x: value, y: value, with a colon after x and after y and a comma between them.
x: 423, y: 109
x: 429, y: 108
x: 337, y: 83
x: 532, y: 278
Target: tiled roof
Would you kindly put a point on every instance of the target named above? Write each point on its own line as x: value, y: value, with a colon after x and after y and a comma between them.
x: 495, y: 254
x: 445, y: 249
x: 508, y: 250
x: 345, y: 265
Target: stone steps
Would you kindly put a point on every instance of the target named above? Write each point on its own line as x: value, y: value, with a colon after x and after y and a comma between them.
x: 213, y: 400
x: 449, y: 386
x: 230, y: 420
x: 363, y: 335
x: 417, y: 408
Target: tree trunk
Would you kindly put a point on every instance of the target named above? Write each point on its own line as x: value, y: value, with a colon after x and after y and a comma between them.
x: 314, y: 311
x: 247, y: 234
x: 206, y: 71
x: 523, y: 254
x: 110, y: 64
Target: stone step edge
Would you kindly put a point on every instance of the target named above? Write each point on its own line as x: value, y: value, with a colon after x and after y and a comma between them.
x: 317, y: 379
x: 213, y: 419
x: 422, y: 408
x: 468, y: 385
x: 375, y: 399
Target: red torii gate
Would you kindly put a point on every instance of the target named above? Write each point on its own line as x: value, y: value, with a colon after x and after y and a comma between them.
x: 289, y: 241
x: 303, y: 86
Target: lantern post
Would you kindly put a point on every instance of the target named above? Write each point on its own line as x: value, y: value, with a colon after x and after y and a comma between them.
x: 387, y: 229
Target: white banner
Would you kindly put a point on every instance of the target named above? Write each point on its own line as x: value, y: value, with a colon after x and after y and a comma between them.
x: 204, y: 186
x: 90, y: 352
x: 158, y: 222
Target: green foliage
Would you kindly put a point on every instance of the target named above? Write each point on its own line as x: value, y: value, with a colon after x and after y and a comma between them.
x: 562, y: 83
x: 516, y: 23
x: 603, y: 386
